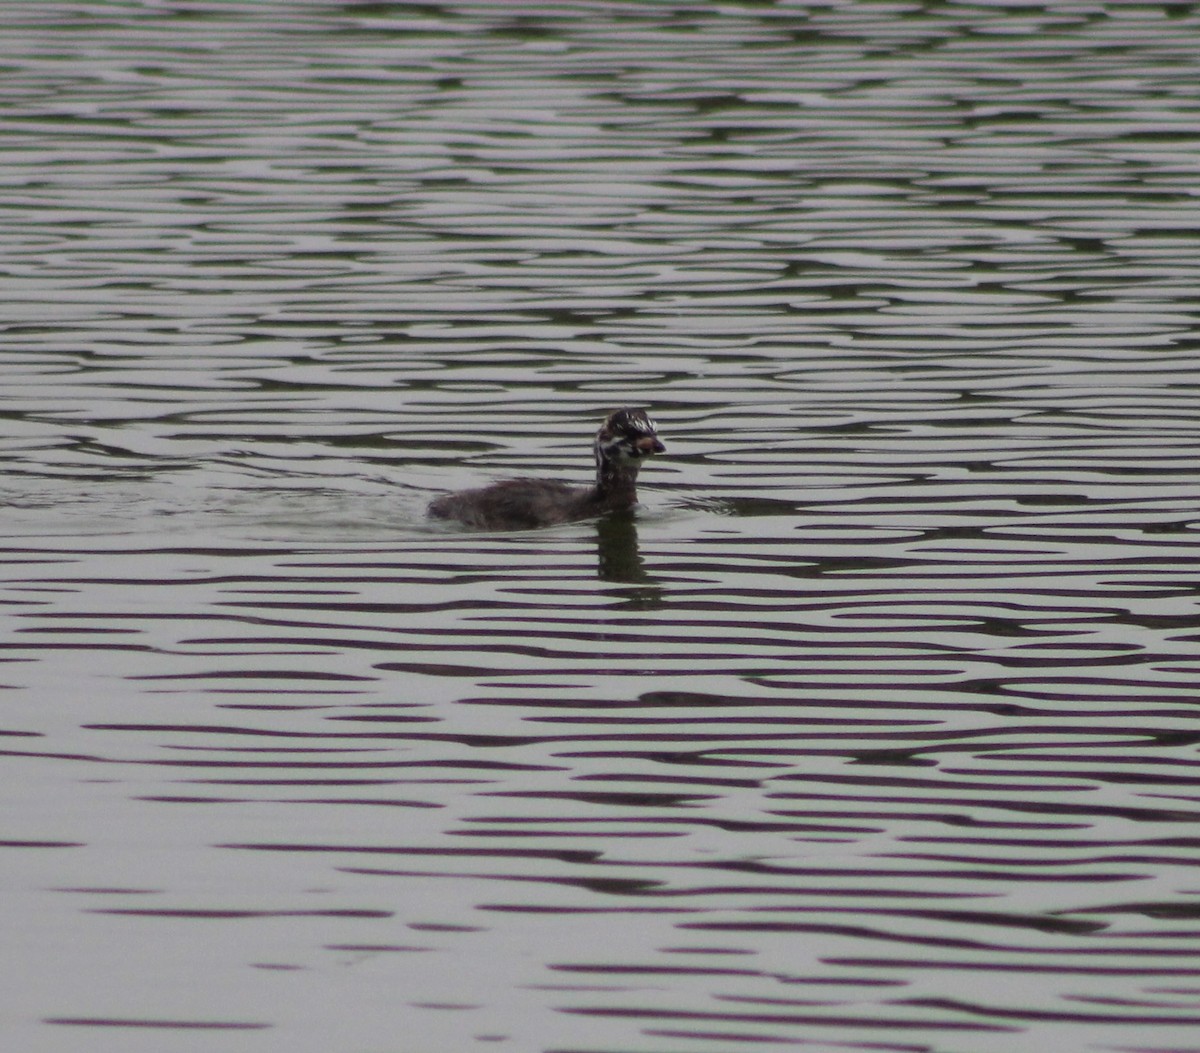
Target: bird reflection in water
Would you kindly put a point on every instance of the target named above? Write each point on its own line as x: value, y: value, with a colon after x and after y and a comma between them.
x: 619, y: 560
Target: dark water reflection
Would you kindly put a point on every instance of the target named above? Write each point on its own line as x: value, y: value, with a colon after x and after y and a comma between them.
x: 619, y: 558
x: 875, y: 728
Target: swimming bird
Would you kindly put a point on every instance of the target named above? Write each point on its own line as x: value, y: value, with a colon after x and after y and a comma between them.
x: 625, y: 439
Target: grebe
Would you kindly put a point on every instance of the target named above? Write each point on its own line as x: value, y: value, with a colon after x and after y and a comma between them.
x: 624, y: 440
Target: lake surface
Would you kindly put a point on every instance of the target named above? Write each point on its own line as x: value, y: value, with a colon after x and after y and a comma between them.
x: 876, y: 727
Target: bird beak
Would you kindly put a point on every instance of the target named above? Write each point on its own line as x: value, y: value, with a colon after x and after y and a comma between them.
x: 648, y: 445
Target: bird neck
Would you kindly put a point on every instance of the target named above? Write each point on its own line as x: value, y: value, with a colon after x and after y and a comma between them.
x: 616, y: 484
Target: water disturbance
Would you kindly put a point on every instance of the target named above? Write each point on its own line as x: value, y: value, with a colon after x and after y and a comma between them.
x: 875, y: 727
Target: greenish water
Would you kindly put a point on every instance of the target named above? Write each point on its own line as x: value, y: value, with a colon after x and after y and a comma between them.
x: 874, y: 729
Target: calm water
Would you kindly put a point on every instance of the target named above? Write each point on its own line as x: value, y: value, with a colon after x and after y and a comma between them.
x: 876, y: 729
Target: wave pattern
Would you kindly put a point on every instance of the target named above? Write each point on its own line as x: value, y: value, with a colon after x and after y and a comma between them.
x: 876, y: 727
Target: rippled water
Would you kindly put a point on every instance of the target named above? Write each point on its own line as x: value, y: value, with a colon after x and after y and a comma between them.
x: 875, y: 729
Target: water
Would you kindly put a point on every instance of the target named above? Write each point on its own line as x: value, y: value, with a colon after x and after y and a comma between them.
x: 875, y: 729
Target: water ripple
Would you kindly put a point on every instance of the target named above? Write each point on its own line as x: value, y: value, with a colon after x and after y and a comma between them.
x: 875, y: 726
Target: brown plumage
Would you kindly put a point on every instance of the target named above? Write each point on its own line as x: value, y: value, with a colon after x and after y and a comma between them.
x: 624, y: 440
